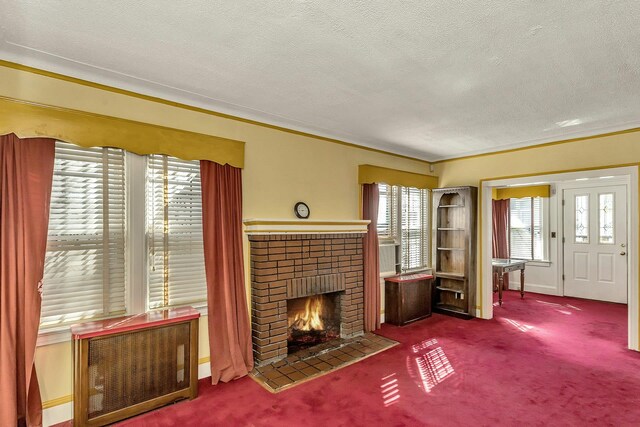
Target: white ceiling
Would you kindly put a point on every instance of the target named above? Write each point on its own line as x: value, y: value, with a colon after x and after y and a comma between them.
x: 428, y: 79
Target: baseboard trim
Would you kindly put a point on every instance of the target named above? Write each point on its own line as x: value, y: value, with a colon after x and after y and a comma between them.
x: 204, y: 369
x: 57, y: 414
x: 60, y: 409
x: 535, y: 288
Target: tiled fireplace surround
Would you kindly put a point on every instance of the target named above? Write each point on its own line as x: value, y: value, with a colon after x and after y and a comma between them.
x: 287, y: 266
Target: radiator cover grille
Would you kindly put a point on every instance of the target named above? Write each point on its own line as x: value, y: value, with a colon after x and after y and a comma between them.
x: 135, y: 367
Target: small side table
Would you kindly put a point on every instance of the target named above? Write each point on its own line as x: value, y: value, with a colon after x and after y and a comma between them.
x: 502, y: 266
x: 407, y: 298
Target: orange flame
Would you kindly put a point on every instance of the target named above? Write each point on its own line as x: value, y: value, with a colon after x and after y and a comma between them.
x: 309, y: 318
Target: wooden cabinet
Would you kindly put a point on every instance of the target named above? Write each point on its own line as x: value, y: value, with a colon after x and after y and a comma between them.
x: 454, y: 250
x: 407, y: 298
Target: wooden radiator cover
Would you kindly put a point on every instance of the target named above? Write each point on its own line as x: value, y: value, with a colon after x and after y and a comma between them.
x: 129, y: 365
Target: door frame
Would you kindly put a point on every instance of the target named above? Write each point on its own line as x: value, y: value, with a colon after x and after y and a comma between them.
x: 629, y: 173
x: 576, y: 185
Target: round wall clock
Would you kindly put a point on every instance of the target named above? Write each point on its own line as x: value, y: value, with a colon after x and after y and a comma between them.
x: 301, y: 210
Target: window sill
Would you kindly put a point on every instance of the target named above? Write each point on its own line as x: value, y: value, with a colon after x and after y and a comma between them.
x: 385, y: 274
x: 202, y: 307
x: 56, y: 335
x: 387, y: 241
x: 426, y: 270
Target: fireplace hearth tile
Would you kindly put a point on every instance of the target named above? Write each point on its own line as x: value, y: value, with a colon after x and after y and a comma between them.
x: 273, y: 374
x: 310, y: 371
x: 345, y: 357
x: 283, y: 381
x: 300, y: 365
x: 271, y: 384
x: 323, y: 366
x: 319, y: 360
x: 264, y: 369
x: 313, y: 361
x: 324, y: 357
x: 297, y: 376
x: 279, y: 363
x: 287, y: 369
x: 335, y: 362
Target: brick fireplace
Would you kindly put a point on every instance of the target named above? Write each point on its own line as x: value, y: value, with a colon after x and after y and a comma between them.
x: 285, y: 267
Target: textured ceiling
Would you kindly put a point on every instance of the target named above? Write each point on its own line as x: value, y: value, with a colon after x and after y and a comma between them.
x: 428, y: 79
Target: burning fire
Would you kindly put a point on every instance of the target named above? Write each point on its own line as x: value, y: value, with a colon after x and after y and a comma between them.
x: 308, y: 319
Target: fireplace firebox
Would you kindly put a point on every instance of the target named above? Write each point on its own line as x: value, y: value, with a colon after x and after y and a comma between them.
x: 312, y: 320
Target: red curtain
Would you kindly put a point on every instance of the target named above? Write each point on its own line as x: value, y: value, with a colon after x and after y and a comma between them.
x: 229, y: 325
x: 26, y: 172
x: 500, y: 235
x: 370, y: 248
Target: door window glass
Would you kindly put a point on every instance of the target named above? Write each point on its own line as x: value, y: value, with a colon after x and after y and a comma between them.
x: 582, y: 218
x: 606, y: 224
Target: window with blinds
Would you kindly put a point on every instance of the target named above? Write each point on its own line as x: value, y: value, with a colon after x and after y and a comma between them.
x: 176, y: 274
x: 85, y: 272
x: 403, y: 215
x: 84, y: 275
x: 415, y: 228
x: 527, y: 228
x: 387, y: 211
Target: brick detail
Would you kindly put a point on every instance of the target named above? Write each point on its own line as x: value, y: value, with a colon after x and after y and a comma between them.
x: 315, y: 285
x: 293, y: 266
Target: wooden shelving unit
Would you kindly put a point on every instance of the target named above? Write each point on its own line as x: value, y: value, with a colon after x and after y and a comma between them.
x: 454, y: 228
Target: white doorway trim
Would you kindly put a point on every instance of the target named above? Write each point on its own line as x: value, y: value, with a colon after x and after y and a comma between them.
x: 627, y: 173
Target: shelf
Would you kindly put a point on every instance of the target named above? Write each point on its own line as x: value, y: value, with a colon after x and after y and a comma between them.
x: 442, y: 288
x: 450, y: 229
x: 448, y: 307
x: 458, y: 276
x: 451, y: 249
x: 451, y: 206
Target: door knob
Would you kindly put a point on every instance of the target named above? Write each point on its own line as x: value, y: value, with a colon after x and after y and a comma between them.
x: 623, y: 253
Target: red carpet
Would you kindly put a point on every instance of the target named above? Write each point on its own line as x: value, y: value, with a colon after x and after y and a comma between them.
x: 542, y: 361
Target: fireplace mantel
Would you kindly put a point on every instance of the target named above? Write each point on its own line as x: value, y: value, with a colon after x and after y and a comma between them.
x: 302, y: 226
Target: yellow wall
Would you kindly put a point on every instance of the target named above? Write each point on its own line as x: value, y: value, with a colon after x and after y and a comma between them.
x: 618, y: 149
x: 280, y: 169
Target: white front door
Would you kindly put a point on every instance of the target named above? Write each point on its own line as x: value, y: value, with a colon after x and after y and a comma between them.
x: 595, y: 243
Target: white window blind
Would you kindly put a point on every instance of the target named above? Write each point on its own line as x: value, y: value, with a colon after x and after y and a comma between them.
x: 526, y: 228
x: 415, y: 228
x: 84, y: 275
x: 388, y: 211
x: 538, y: 243
x: 176, y: 273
